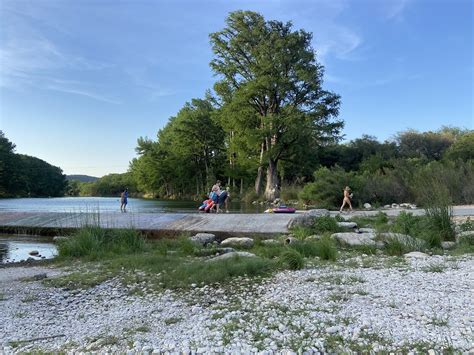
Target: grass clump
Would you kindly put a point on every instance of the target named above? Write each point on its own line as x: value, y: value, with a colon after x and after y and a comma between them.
x: 292, y: 259
x: 325, y: 224
x: 395, y: 247
x: 200, y: 272
x: 93, y: 243
x: 327, y: 249
x: 301, y: 232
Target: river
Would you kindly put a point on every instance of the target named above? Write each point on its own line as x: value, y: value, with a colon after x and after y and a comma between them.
x: 110, y: 204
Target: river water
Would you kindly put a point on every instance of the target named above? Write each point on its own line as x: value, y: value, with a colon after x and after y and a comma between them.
x: 110, y: 204
x: 15, y: 248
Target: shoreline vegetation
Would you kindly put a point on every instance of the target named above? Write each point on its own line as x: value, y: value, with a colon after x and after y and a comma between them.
x: 182, y: 261
x: 220, y: 275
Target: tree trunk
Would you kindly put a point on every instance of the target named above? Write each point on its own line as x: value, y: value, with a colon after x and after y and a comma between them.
x: 259, y: 178
x: 272, y: 188
x: 241, y: 187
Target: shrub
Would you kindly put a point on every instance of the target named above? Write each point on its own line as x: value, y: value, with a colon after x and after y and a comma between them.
x: 468, y: 225
x: 326, y: 190
x: 290, y: 192
x: 325, y: 224
x: 432, y: 238
x: 406, y: 223
x: 381, y: 218
x: 292, y: 259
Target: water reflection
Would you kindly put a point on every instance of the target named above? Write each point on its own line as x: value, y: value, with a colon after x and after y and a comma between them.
x: 112, y: 204
x: 18, y: 248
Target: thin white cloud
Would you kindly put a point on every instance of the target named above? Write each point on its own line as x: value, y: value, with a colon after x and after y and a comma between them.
x: 394, y: 8
x: 332, y: 38
x: 30, y: 60
x: 91, y: 95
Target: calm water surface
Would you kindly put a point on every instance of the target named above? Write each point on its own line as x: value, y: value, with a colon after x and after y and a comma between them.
x: 110, y: 204
x: 14, y: 248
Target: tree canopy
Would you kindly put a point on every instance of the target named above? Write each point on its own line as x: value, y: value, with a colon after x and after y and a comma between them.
x: 270, y: 92
x: 22, y: 175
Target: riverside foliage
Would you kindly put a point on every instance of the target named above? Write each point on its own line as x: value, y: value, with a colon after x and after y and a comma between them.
x: 25, y: 176
x: 270, y: 122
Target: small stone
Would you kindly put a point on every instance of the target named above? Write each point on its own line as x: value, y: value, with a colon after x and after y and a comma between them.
x: 333, y: 330
x: 34, y: 252
x: 367, y: 206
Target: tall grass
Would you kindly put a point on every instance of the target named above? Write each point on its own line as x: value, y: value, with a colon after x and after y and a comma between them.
x: 438, y: 205
x: 95, y: 243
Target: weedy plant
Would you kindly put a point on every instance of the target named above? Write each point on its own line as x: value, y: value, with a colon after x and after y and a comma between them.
x: 292, y: 259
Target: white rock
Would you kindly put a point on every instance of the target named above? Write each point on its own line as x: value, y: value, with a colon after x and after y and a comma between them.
x: 367, y: 206
x: 203, y: 238
x: 232, y: 255
x: 238, y: 242
x: 354, y: 239
x: 366, y: 230
x: 347, y: 224
x: 333, y: 330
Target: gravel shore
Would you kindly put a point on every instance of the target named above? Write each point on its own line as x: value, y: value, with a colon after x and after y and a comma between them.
x: 364, y: 303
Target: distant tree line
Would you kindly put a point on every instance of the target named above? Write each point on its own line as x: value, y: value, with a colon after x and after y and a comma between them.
x: 26, y: 176
x: 108, y: 185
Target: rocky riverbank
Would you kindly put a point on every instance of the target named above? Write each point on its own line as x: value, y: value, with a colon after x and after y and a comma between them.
x: 359, y: 303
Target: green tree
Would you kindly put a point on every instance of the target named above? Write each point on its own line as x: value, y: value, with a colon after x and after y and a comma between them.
x: 426, y: 145
x: 187, y: 156
x: 271, y: 91
x: 462, y: 148
x: 7, y: 165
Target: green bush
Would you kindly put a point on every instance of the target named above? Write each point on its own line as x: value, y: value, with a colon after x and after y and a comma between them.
x: 468, y: 225
x: 325, y: 224
x: 326, y: 190
x: 406, y: 223
x: 432, y: 238
x: 292, y: 259
x: 290, y: 192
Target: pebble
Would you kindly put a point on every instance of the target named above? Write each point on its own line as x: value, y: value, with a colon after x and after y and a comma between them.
x: 399, y: 305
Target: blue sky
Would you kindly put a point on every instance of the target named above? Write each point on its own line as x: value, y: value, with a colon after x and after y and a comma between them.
x: 80, y: 81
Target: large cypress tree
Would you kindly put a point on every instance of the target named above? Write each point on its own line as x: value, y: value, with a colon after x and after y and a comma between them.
x: 271, y: 93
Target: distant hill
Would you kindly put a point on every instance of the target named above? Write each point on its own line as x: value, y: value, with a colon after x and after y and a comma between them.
x: 82, y: 178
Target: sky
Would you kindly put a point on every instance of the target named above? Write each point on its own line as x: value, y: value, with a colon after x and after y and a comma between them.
x: 80, y: 81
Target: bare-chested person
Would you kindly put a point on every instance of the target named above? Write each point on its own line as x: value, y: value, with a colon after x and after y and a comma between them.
x: 347, y: 198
